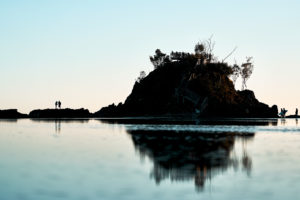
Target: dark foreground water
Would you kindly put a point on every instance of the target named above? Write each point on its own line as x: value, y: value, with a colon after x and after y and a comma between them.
x: 94, y: 159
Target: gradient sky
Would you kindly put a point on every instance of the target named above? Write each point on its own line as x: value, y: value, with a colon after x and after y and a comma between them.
x: 89, y: 53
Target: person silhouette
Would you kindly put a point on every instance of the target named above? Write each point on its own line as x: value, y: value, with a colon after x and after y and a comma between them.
x: 59, y: 104
x: 283, y: 112
x: 296, y: 112
x: 56, y: 104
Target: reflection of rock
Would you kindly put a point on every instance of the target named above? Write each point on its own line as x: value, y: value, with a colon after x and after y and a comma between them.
x: 181, y: 156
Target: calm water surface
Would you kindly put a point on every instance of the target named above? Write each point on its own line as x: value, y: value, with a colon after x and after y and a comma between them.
x: 94, y: 159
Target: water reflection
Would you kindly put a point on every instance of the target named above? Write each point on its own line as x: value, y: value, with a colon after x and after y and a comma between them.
x: 283, y: 121
x: 183, y: 156
x: 57, y: 126
x: 57, y: 122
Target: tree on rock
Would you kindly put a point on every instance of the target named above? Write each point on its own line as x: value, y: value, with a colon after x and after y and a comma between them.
x: 236, y: 71
x: 141, y: 77
x: 159, y: 59
x: 204, y: 51
x: 246, y: 71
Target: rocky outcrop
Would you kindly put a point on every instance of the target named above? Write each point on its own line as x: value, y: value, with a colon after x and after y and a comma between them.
x: 185, y: 88
x: 11, y: 114
x: 60, y: 113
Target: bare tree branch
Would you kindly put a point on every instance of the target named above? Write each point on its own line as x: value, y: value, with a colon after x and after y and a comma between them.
x: 229, y: 54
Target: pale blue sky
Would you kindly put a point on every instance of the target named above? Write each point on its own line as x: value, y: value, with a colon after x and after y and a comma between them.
x: 89, y: 53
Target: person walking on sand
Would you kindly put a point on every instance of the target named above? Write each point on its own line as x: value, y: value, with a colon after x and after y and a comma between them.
x: 59, y: 104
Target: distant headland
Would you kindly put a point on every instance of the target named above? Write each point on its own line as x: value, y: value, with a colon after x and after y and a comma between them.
x: 47, y: 113
x: 196, y: 85
x: 11, y: 114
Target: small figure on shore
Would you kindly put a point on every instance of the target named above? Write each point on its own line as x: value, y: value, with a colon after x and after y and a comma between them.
x: 56, y: 104
x: 282, y: 113
x: 296, y: 112
x: 59, y: 104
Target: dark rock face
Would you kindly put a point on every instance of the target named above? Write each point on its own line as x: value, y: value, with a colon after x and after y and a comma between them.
x: 11, y: 114
x: 184, y: 88
x: 60, y: 113
x: 246, y: 105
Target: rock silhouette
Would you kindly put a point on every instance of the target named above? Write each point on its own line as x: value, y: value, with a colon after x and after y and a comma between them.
x: 181, y: 87
x: 60, y: 113
x: 11, y: 114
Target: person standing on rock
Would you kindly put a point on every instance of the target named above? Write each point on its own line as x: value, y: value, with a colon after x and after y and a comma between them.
x: 296, y: 112
x: 56, y: 104
x: 59, y: 104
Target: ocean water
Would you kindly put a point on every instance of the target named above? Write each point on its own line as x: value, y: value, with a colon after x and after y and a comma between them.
x: 101, y: 159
